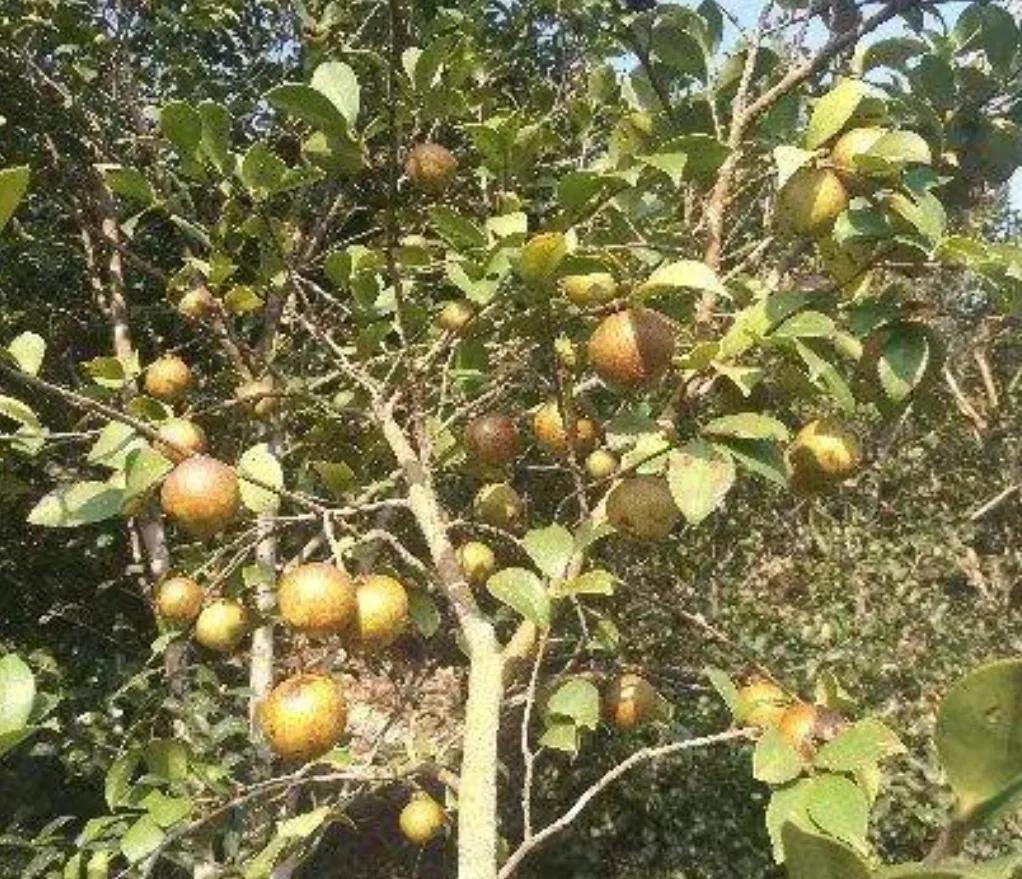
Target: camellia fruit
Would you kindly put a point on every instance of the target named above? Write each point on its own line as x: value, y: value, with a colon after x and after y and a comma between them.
x: 761, y: 703
x: 541, y: 257
x: 317, y: 599
x: 382, y: 610
x: 630, y: 701
x: 221, y: 625
x: 810, y: 201
x: 168, y: 379
x: 601, y: 464
x: 260, y: 395
x: 180, y: 439
x: 455, y: 316
x: 201, y: 495
x: 197, y: 303
x: 593, y: 288
x: 477, y: 561
x: 431, y: 167
x: 499, y: 505
x: 421, y: 819
x: 642, y: 507
x: 797, y: 726
x: 552, y: 436
x: 633, y: 348
x: 491, y: 439
x: 824, y: 452
x: 856, y: 142
x: 179, y: 600
x: 303, y: 717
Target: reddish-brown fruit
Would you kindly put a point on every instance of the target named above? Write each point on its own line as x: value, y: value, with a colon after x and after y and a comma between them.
x: 180, y: 439
x: 168, y: 379
x: 630, y: 701
x: 642, y: 507
x: 179, y: 600
x: 491, y: 439
x: 761, y: 703
x: 303, y: 717
x: 552, y: 436
x: 431, y: 167
x: 633, y: 348
x: 201, y: 495
x: 382, y: 610
x: 422, y: 819
x: 317, y: 599
x: 797, y: 726
x: 221, y: 625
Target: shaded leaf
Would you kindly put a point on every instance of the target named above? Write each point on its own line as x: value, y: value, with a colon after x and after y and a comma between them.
x: 81, y: 503
x: 812, y: 856
x: 748, y: 425
x: 13, y: 183
x: 260, y: 463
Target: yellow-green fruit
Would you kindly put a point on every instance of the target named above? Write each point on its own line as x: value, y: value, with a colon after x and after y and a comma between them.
x: 201, y: 495
x: 455, y: 316
x: 593, y: 288
x: 601, y: 464
x: 317, y: 599
x: 642, y: 507
x: 824, y: 452
x: 541, y: 257
x: 761, y: 703
x: 853, y: 143
x: 431, y: 167
x: 633, y: 348
x: 422, y: 819
x: 797, y: 726
x: 499, y: 505
x: 180, y: 439
x: 260, y: 395
x: 630, y: 701
x: 810, y: 201
x: 552, y: 435
x: 491, y: 439
x: 382, y: 610
x: 303, y: 717
x: 179, y: 600
x: 197, y: 303
x: 221, y: 625
x: 168, y: 379
x: 477, y: 562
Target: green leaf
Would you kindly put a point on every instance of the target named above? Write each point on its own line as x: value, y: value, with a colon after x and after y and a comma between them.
x: 215, y: 142
x: 113, y: 372
x: 762, y: 457
x: 167, y: 758
x: 11, y: 740
x: 242, y: 299
x: 182, y: 126
x: 577, y: 699
x: 337, y: 476
x: 705, y: 154
x: 424, y: 612
x: 143, y: 468
x: 699, y: 476
x: 788, y: 160
x: 18, y: 411
x: 141, y: 839
x: 748, y: 425
x: 457, y: 230
x: 598, y: 582
x: 128, y: 183
x: 824, y: 375
x: 990, y: 29
x: 81, y: 503
x: 311, y: 106
x: 833, y: 111
x: 117, y: 783
x: 684, y: 274
x: 303, y: 826
x: 13, y: 183
x: 17, y: 693
x: 839, y: 808
x: 28, y: 350
x: 892, y: 52
x: 262, y: 170
x: 979, y: 738
x: 774, y: 760
x: 336, y: 81
x: 166, y: 811
x: 523, y: 591
x: 811, y: 856
x: 671, y: 164
x: 787, y: 805
x: 722, y: 683
x: 862, y: 744
x: 904, y: 360
x: 113, y: 446
x: 805, y: 325
x: 550, y: 549
x: 260, y: 463
x: 561, y: 736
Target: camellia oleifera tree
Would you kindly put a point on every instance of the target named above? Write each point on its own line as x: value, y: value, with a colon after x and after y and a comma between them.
x: 412, y: 313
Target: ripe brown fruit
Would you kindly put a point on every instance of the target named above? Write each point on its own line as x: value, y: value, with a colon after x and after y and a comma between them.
x: 824, y: 452
x: 499, y: 505
x: 633, y: 348
x: 477, y: 562
x: 168, y: 379
x: 382, y: 610
x: 593, y: 288
x: 761, y: 703
x: 180, y: 439
x: 431, y: 167
x: 317, y: 599
x: 201, y: 495
x: 179, y: 600
x: 221, y: 625
x: 797, y: 726
x: 810, y: 201
x: 642, y: 507
x: 491, y: 439
x: 630, y: 701
x: 421, y: 819
x: 260, y: 395
x: 303, y: 717
x: 552, y: 436
x: 197, y: 303
x: 601, y: 464
x: 455, y: 316
x: 855, y: 142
